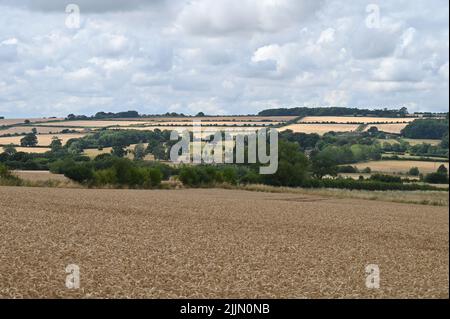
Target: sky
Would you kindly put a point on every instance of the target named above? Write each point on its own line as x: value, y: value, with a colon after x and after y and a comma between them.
x: 221, y: 56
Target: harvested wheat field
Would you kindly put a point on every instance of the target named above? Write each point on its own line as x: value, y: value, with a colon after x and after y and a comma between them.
x: 7, y: 122
x: 320, y: 128
x: 43, y: 139
x: 218, y: 244
x: 354, y: 119
x: 388, y: 128
x: 38, y: 176
x: 400, y: 166
x: 39, y: 129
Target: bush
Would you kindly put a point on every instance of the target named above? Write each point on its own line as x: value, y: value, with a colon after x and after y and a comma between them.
x: 347, y: 169
x: 386, y: 178
x: 436, y: 178
x: 367, y: 170
x: 414, y: 171
x: 80, y: 173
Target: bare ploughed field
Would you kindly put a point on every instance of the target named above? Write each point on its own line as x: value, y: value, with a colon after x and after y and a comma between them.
x: 218, y: 244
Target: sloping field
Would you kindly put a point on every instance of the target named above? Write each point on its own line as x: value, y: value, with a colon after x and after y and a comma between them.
x: 39, y: 129
x: 388, y: 128
x: 218, y: 244
x: 320, y: 128
x: 43, y: 139
x: 217, y: 118
x: 168, y: 121
x: 21, y: 121
x: 400, y: 166
x: 354, y: 119
x: 92, y: 124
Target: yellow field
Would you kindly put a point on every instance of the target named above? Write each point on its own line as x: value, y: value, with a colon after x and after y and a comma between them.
x: 40, y: 130
x: 320, y: 128
x: 354, y: 119
x: 205, y: 130
x: 43, y: 139
x: 400, y: 166
x: 215, y: 119
x: 21, y: 121
x: 388, y: 128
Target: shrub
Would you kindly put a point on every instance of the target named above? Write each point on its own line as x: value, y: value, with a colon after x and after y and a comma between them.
x: 436, y: 178
x: 367, y: 170
x: 347, y: 169
x: 386, y: 178
x: 414, y: 171
x: 80, y: 173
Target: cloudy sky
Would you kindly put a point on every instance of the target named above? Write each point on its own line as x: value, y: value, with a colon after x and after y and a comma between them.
x: 221, y: 56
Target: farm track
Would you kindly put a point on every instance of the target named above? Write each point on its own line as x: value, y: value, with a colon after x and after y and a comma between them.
x: 218, y: 244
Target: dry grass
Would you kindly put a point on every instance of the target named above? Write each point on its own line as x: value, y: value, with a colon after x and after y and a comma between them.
x: 320, y: 128
x: 43, y: 139
x: 353, y: 119
x: 433, y: 198
x: 217, y: 244
x: 34, y: 176
x: 401, y: 166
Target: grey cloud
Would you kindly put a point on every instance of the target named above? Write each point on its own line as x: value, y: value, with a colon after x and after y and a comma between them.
x: 96, y: 6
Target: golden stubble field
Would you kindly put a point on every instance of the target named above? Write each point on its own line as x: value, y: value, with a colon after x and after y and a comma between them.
x: 320, y: 129
x: 43, y: 139
x: 404, y: 166
x: 218, y: 244
x: 355, y: 119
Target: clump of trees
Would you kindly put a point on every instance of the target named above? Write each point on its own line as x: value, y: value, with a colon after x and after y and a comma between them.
x: 29, y: 140
x: 426, y: 129
x: 438, y: 177
x: 109, y: 171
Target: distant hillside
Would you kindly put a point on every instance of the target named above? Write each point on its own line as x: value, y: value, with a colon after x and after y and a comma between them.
x: 333, y: 111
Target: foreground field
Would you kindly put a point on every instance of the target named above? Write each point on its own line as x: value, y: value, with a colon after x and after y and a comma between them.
x: 217, y: 243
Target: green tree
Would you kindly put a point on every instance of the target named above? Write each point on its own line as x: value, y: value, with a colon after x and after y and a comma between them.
x: 10, y: 149
x: 442, y: 170
x: 139, y: 152
x: 414, y: 171
x: 29, y: 140
x: 324, y: 164
x: 119, y: 151
x: 56, y: 144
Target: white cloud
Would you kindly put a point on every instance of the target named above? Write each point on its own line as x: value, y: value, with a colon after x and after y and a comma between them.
x: 221, y: 56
